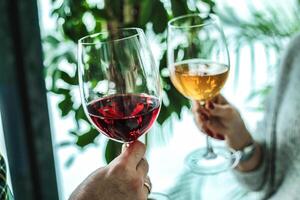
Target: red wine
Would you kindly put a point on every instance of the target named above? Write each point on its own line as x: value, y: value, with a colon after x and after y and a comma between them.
x: 124, y: 117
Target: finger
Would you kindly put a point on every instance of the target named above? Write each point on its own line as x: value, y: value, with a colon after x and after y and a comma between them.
x: 207, y: 131
x: 143, y: 167
x: 134, y: 153
x: 218, y: 110
x: 215, y: 135
x: 197, y: 108
x: 199, y: 120
x: 220, y: 99
x: 215, y: 127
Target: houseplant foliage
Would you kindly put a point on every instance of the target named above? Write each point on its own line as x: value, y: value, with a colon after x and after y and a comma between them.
x: 78, y: 18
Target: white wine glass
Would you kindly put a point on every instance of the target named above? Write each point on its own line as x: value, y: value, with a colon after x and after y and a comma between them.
x: 199, y: 65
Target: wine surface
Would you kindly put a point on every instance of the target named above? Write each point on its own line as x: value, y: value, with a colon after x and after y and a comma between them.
x: 199, y: 79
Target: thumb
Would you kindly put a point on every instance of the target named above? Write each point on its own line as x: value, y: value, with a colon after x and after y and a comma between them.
x: 133, y: 152
x: 218, y: 110
x: 124, y: 147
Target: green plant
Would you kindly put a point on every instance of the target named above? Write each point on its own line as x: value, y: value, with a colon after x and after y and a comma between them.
x: 78, y: 18
x: 270, y: 27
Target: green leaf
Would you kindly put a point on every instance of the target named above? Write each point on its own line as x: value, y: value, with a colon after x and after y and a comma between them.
x: 74, y: 133
x: 159, y: 17
x: 62, y: 91
x: 145, y: 12
x: 70, y: 57
x: 99, y: 13
x: 68, y: 79
x: 179, y: 7
x: 77, y: 7
x: 52, y: 40
x: 65, y: 144
x: 211, y: 4
x: 112, y: 150
x: 66, y: 105
x: 163, y: 61
x: 70, y: 161
x: 79, y: 113
x: 261, y: 93
x: 115, y: 6
x: 164, y: 114
x: 182, y: 102
x: 74, y: 28
x: 60, y: 11
x: 55, y: 77
x: 87, y: 138
x: 178, y: 101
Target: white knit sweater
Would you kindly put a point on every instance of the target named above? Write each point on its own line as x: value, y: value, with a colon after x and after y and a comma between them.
x: 278, y: 177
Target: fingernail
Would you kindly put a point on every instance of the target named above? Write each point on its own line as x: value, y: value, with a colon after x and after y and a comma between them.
x: 208, y: 132
x: 220, y: 137
x: 211, y: 105
x: 203, y: 117
x: 203, y: 112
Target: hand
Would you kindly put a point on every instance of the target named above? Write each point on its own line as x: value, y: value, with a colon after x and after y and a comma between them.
x: 122, y: 179
x: 221, y: 120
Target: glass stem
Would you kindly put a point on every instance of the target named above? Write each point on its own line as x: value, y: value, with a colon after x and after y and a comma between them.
x: 210, y: 154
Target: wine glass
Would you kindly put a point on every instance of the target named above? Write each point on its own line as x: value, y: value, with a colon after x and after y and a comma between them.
x: 198, y: 62
x: 119, y: 83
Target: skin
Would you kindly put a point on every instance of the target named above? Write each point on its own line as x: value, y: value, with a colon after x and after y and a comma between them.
x: 122, y: 179
x: 220, y: 119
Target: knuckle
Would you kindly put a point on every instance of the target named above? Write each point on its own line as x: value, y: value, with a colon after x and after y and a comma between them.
x: 229, y: 110
x: 145, y: 165
x: 119, y: 168
x: 136, y: 184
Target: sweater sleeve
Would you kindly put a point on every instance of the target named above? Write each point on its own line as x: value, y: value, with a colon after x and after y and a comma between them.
x: 256, y: 180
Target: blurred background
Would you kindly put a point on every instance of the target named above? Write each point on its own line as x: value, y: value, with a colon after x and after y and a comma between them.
x: 49, y: 141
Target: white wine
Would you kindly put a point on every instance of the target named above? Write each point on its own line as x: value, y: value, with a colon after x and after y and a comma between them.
x: 199, y: 79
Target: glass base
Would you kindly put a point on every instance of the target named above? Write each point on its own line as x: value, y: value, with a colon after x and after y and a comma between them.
x: 157, y: 196
x: 208, y: 163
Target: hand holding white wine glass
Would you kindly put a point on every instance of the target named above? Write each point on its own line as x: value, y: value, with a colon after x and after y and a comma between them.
x: 198, y: 62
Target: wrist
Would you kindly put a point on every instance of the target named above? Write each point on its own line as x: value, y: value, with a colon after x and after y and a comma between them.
x: 247, y: 152
x: 240, y: 141
x: 253, y: 161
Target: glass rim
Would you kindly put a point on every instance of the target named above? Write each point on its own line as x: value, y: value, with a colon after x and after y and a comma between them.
x: 138, y: 31
x: 213, y: 17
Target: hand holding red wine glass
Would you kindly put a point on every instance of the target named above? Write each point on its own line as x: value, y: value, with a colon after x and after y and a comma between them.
x: 119, y: 84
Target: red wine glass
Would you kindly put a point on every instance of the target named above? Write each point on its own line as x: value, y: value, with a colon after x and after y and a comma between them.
x: 119, y: 83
